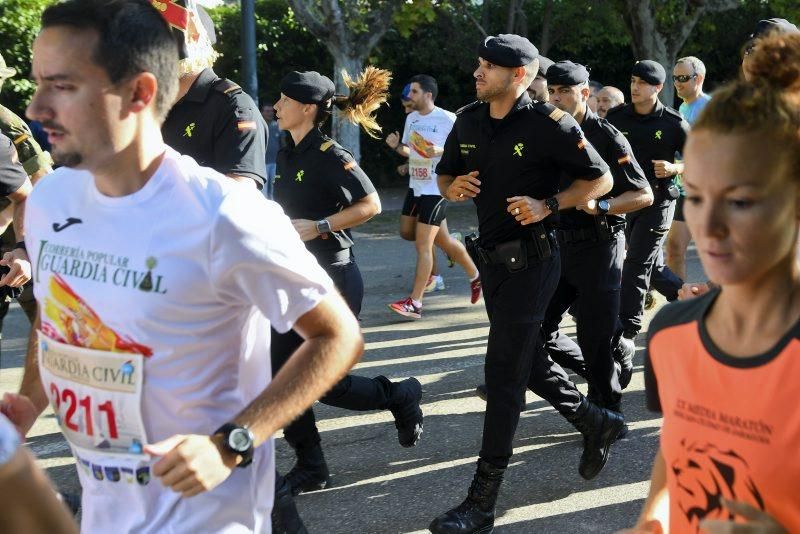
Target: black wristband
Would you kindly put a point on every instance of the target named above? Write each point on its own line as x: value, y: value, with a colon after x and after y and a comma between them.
x: 21, y: 244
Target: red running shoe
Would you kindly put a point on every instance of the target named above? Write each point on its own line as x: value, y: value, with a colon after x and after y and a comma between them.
x: 476, y: 288
x: 406, y: 308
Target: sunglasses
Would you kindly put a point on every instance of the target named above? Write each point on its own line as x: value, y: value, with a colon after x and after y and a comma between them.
x: 683, y: 78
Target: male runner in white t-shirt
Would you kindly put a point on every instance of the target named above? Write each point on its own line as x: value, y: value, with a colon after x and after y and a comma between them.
x: 157, y: 282
x: 423, y: 215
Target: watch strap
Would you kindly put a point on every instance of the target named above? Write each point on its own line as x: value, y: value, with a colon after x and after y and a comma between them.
x: 225, y: 430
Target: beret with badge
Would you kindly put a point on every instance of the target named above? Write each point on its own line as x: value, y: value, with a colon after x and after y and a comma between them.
x: 507, y: 50
x: 650, y: 71
x: 567, y: 73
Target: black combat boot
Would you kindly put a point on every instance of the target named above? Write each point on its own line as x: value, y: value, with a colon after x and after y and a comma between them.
x: 404, y: 399
x: 476, y: 513
x: 600, y: 428
x: 310, y: 473
x: 623, y: 354
x: 617, y: 408
x: 285, y: 519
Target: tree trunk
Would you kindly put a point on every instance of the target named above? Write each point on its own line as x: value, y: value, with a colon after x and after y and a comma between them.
x: 547, y: 28
x: 663, y: 44
x: 486, y: 16
x: 345, y: 133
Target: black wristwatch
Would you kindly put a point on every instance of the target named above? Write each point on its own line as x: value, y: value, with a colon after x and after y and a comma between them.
x: 238, y: 440
x: 603, y: 206
x: 551, y: 204
x: 323, y: 227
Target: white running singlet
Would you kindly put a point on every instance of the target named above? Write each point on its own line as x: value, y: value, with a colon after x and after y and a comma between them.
x: 156, y: 310
x: 421, y: 134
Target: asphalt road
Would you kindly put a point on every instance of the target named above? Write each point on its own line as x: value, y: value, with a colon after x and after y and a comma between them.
x: 380, y: 487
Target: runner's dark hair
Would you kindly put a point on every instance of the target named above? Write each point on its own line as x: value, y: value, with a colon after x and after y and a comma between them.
x: 427, y: 83
x: 133, y: 38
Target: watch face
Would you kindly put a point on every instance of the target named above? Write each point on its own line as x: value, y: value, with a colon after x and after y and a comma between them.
x: 603, y: 205
x: 240, y: 439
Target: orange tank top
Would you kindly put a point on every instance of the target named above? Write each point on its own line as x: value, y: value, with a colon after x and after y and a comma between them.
x: 731, y: 425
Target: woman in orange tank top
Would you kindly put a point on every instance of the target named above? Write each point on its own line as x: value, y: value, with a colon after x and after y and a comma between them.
x: 724, y: 368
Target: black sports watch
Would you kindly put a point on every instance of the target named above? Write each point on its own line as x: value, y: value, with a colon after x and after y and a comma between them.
x: 323, y: 227
x: 238, y: 440
x: 551, y: 204
x: 603, y: 206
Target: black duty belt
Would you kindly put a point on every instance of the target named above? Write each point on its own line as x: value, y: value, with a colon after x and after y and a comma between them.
x: 587, y: 233
x: 515, y: 254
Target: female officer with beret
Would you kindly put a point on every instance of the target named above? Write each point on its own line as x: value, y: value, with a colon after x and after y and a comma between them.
x: 325, y: 193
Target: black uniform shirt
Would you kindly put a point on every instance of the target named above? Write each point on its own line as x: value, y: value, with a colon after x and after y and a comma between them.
x: 218, y: 125
x: 617, y: 153
x: 12, y: 175
x: 525, y: 153
x: 316, y: 179
x: 659, y: 135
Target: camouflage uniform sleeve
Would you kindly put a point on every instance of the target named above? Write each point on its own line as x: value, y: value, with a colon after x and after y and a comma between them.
x: 31, y: 155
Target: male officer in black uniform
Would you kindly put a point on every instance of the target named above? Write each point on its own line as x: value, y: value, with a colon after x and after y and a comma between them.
x: 592, y: 246
x: 656, y: 134
x: 213, y: 119
x: 507, y: 154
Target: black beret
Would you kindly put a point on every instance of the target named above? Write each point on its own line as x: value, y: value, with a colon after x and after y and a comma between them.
x: 567, y: 73
x: 650, y: 71
x: 307, y: 87
x: 507, y: 50
x: 767, y: 26
x: 544, y: 64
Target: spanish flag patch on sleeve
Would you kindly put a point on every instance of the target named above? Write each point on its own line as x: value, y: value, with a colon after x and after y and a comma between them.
x: 581, y: 144
x: 624, y: 159
x: 349, y: 165
x: 245, y: 125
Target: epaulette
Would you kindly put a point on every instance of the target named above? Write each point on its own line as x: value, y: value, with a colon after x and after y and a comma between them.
x: 325, y: 146
x: 608, y: 127
x: 468, y: 107
x: 615, y: 109
x: 550, y: 110
x: 673, y: 112
x: 227, y: 87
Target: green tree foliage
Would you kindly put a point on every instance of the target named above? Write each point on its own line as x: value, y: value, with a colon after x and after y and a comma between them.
x: 437, y: 37
x: 283, y: 45
x: 19, y: 24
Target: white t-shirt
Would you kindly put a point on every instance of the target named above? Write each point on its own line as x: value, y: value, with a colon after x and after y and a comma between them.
x: 421, y: 134
x: 184, y: 277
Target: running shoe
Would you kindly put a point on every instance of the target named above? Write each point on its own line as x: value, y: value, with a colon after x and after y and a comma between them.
x: 435, y: 283
x: 475, y: 288
x: 406, y: 308
x: 458, y: 237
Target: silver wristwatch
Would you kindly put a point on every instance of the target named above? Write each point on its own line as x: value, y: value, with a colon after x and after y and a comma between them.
x: 323, y: 227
